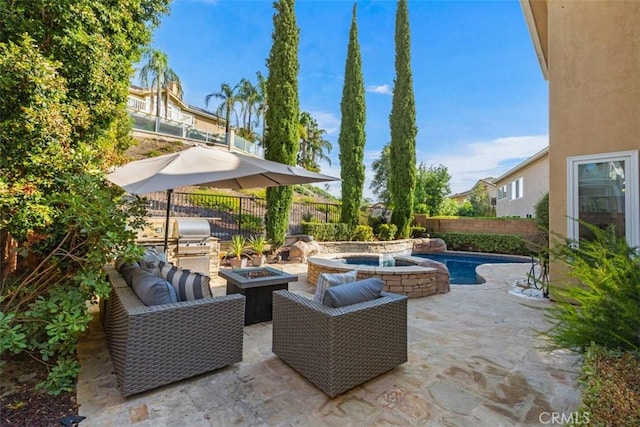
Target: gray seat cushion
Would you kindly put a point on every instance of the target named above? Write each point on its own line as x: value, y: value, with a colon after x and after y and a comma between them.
x: 353, y: 293
x: 152, y: 289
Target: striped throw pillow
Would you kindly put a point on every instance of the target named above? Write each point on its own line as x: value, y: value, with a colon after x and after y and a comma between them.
x: 189, y: 286
x: 327, y: 280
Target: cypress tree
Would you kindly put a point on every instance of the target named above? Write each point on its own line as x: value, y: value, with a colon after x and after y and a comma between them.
x: 281, y: 142
x: 402, y: 121
x: 352, y: 134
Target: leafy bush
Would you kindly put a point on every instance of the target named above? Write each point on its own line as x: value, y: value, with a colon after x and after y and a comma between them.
x: 326, y: 232
x: 600, y: 302
x: 375, y: 222
x: 387, y: 232
x: 362, y: 233
x: 210, y: 200
x: 417, y: 231
x: 610, y: 383
x: 541, y: 209
x: 512, y: 244
x: 250, y: 223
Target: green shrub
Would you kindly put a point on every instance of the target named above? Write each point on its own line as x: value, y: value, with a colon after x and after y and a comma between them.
x: 601, y: 301
x: 417, y: 231
x: 610, y: 383
x: 541, y: 209
x: 249, y: 223
x: 362, y: 233
x: 513, y: 244
x: 326, y: 232
x: 387, y: 232
x: 375, y: 222
x: 210, y: 200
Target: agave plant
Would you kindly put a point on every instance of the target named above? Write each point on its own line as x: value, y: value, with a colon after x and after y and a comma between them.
x: 238, y: 245
x: 258, y: 243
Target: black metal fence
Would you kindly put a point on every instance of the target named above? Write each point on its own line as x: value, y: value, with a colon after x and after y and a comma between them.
x: 238, y: 214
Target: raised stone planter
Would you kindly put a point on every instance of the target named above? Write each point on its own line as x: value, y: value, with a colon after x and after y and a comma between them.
x: 415, y: 281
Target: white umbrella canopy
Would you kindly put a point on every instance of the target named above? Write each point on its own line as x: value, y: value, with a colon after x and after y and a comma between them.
x: 211, y: 167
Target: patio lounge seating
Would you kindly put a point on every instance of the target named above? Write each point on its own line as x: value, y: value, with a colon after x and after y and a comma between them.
x: 339, y: 348
x: 155, y: 345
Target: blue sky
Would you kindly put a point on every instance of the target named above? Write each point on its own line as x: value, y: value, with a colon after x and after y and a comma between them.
x: 481, y: 99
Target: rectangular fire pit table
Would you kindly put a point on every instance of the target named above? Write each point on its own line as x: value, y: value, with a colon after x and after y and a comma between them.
x: 257, y: 285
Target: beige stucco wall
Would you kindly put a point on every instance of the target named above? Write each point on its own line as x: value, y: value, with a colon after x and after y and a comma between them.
x: 208, y: 125
x: 594, y: 86
x: 535, y: 185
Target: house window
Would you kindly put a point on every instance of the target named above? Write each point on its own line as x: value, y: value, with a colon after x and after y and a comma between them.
x: 602, y: 190
x: 502, y: 192
x: 516, y: 189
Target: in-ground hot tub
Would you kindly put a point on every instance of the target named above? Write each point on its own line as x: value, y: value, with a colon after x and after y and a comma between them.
x: 416, y: 277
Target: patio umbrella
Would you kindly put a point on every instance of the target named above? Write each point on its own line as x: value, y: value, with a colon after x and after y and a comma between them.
x: 210, y: 167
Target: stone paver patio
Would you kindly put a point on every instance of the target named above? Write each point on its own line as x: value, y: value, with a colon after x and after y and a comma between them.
x: 475, y: 359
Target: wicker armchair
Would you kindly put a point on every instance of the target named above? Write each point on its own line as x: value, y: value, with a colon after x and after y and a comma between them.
x: 339, y: 348
x: 155, y: 345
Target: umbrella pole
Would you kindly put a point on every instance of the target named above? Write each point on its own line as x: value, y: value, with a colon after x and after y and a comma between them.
x: 166, y: 222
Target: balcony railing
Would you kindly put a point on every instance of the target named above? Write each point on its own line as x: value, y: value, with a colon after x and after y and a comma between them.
x: 137, y: 104
x: 143, y: 106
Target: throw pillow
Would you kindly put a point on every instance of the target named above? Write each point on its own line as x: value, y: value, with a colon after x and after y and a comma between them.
x: 327, y: 280
x: 188, y: 286
x: 152, y: 289
x: 127, y: 271
x: 151, y: 260
x: 353, y: 293
x: 120, y: 262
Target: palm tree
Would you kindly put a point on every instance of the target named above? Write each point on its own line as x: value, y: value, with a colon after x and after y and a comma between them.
x: 157, y: 68
x: 229, y: 96
x: 312, y: 143
x: 261, y: 107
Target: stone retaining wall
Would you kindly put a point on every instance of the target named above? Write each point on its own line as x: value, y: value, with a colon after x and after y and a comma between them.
x: 378, y: 247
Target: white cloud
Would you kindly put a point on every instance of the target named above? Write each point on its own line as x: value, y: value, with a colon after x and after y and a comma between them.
x: 467, y: 163
x: 327, y: 121
x: 383, y: 89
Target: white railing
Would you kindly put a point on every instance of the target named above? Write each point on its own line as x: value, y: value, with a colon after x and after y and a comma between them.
x: 181, y: 117
x: 137, y: 104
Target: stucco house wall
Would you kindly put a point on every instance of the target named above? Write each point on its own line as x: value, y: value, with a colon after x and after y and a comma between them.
x: 534, y: 175
x: 591, y: 52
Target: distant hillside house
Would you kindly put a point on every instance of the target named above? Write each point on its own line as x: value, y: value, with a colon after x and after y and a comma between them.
x: 176, y: 118
x: 488, y: 185
x: 520, y: 188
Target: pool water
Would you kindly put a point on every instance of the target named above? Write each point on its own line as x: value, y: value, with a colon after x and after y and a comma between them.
x: 462, y: 267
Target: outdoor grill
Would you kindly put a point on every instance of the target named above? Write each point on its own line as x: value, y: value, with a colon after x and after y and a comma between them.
x: 194, y: 244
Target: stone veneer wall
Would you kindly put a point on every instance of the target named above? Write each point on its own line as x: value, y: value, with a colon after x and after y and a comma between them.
x: 390, y: 247
x: 413, y: 281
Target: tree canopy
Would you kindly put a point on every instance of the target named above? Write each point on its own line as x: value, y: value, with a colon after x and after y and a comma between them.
x: 65, y: 70
x: 352, y: 129
x: 402, y: 177
x: 281, y: 139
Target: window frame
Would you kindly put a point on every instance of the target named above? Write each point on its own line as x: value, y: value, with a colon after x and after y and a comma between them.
x: 502, y: 192
x: 632, y: 202
x: 520, y: 187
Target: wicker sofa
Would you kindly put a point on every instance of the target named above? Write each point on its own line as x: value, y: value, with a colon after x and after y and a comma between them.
x: 155, y: 345
x: 339, y: 348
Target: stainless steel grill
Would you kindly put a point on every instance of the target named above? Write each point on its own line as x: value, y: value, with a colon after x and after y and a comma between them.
x: 194, y: 244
